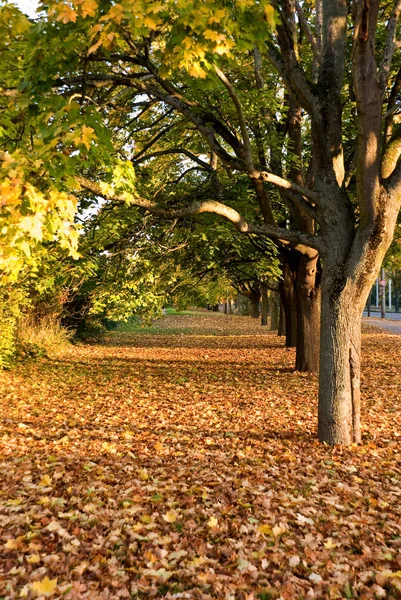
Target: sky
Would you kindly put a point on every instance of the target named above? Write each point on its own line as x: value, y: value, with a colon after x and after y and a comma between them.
x: 27, y: 6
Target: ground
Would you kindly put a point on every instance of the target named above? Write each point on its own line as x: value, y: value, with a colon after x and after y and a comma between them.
x: 182, y: 462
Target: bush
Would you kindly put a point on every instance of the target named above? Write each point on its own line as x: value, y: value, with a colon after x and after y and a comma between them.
x: 12, y: 301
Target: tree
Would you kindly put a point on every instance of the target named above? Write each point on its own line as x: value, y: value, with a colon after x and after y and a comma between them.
x: 155, y: 57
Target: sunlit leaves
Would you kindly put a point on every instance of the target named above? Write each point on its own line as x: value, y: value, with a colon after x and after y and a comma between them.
x: 180, y: 457
x: 29, y: 215
x: 186, y: 34
x: 46, y: 587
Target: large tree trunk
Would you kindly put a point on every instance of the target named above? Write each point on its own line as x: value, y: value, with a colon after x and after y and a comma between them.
x: 339, y: 381
x: 254, y: 308
x: 308, y: 298
x: 274, y: 311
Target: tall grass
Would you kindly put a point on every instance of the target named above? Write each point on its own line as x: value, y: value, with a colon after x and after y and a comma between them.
x: 42, y: 338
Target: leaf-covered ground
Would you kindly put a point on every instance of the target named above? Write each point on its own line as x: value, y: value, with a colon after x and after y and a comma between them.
x: 185, y: 465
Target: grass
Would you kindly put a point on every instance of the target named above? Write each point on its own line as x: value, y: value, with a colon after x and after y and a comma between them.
x: 46, y: 338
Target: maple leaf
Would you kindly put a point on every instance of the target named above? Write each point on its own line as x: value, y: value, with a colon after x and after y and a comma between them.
x: 88, y: 8
x: 46, y: 587
x: 34, y: 558
x: 45, y: 481
x: 265, y: 529
x: 217, y: 16
x: 269, y: 13
x: 212, y: 522
x: 170, y: 516
x: 64, y: 13
x: 116, y: 13
x: 197, y: 71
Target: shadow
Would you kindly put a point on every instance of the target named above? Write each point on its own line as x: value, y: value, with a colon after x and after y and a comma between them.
x: 90, y: 432
x: 199, y: 341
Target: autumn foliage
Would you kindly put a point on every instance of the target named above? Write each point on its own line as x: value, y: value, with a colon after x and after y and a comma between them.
x: 181, y: 462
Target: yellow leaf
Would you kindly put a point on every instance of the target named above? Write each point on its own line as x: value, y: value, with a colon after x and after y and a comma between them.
x: 217, y: 16
x: 88, y: 134
x: 155, y: 8
x: 34, y: 558
x: 88, y: 8
x: 46, y: 587
x: 213, y: 35
x: 143, y: 475
x: 64, y: 13
x: 150, y: 23
x: 159, y: 448
x: 93, y: 48
x: 265, y: 529
x: 223, y: 48
x: 269, y: 13
x: 170, y: 516
x: 197, y: 71
x: 45, y: 481
x: 13, y: 544
x: 212, y: 522
x: 116, y: 13
x: 25, y: 248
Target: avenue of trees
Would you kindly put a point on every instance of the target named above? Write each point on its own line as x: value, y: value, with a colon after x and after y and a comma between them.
x: 151, y: 148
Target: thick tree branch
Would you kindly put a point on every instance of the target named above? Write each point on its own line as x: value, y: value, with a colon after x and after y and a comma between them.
x: 369, y: 106
x: 287, y: 185
x: 193, y: 157
x: 391, y: 155
x: 392, y: 107
x: 293, y: 238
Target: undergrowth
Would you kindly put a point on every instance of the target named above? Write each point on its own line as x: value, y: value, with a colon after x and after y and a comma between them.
x: 44, y: 338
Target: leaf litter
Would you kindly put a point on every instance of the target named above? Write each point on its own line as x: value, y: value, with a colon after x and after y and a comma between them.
x: 185, y: 465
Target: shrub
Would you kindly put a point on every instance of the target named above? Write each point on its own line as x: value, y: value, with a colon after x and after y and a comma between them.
x: 12, y: 300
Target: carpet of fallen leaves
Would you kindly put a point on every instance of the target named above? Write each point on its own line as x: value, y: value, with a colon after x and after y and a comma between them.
x: 185, y: 465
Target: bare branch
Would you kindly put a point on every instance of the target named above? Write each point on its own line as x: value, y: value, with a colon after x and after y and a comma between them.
x: 193, y: 157
x: 241, y: 118
x: 153, y: 141
x: 287, y: 185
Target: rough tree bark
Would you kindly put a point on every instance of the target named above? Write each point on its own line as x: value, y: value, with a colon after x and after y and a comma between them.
x: 288, y: 299
x: 308, y: 295
x: 352, y: 244
x: 254, y: 310
x: 274, y: 311
x: 265, y: 304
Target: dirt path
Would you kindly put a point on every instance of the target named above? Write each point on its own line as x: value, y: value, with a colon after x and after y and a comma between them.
x: 182, y: 463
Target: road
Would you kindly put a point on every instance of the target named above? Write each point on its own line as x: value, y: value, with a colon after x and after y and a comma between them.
x: 392, y: 322
x: 392, y: 316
